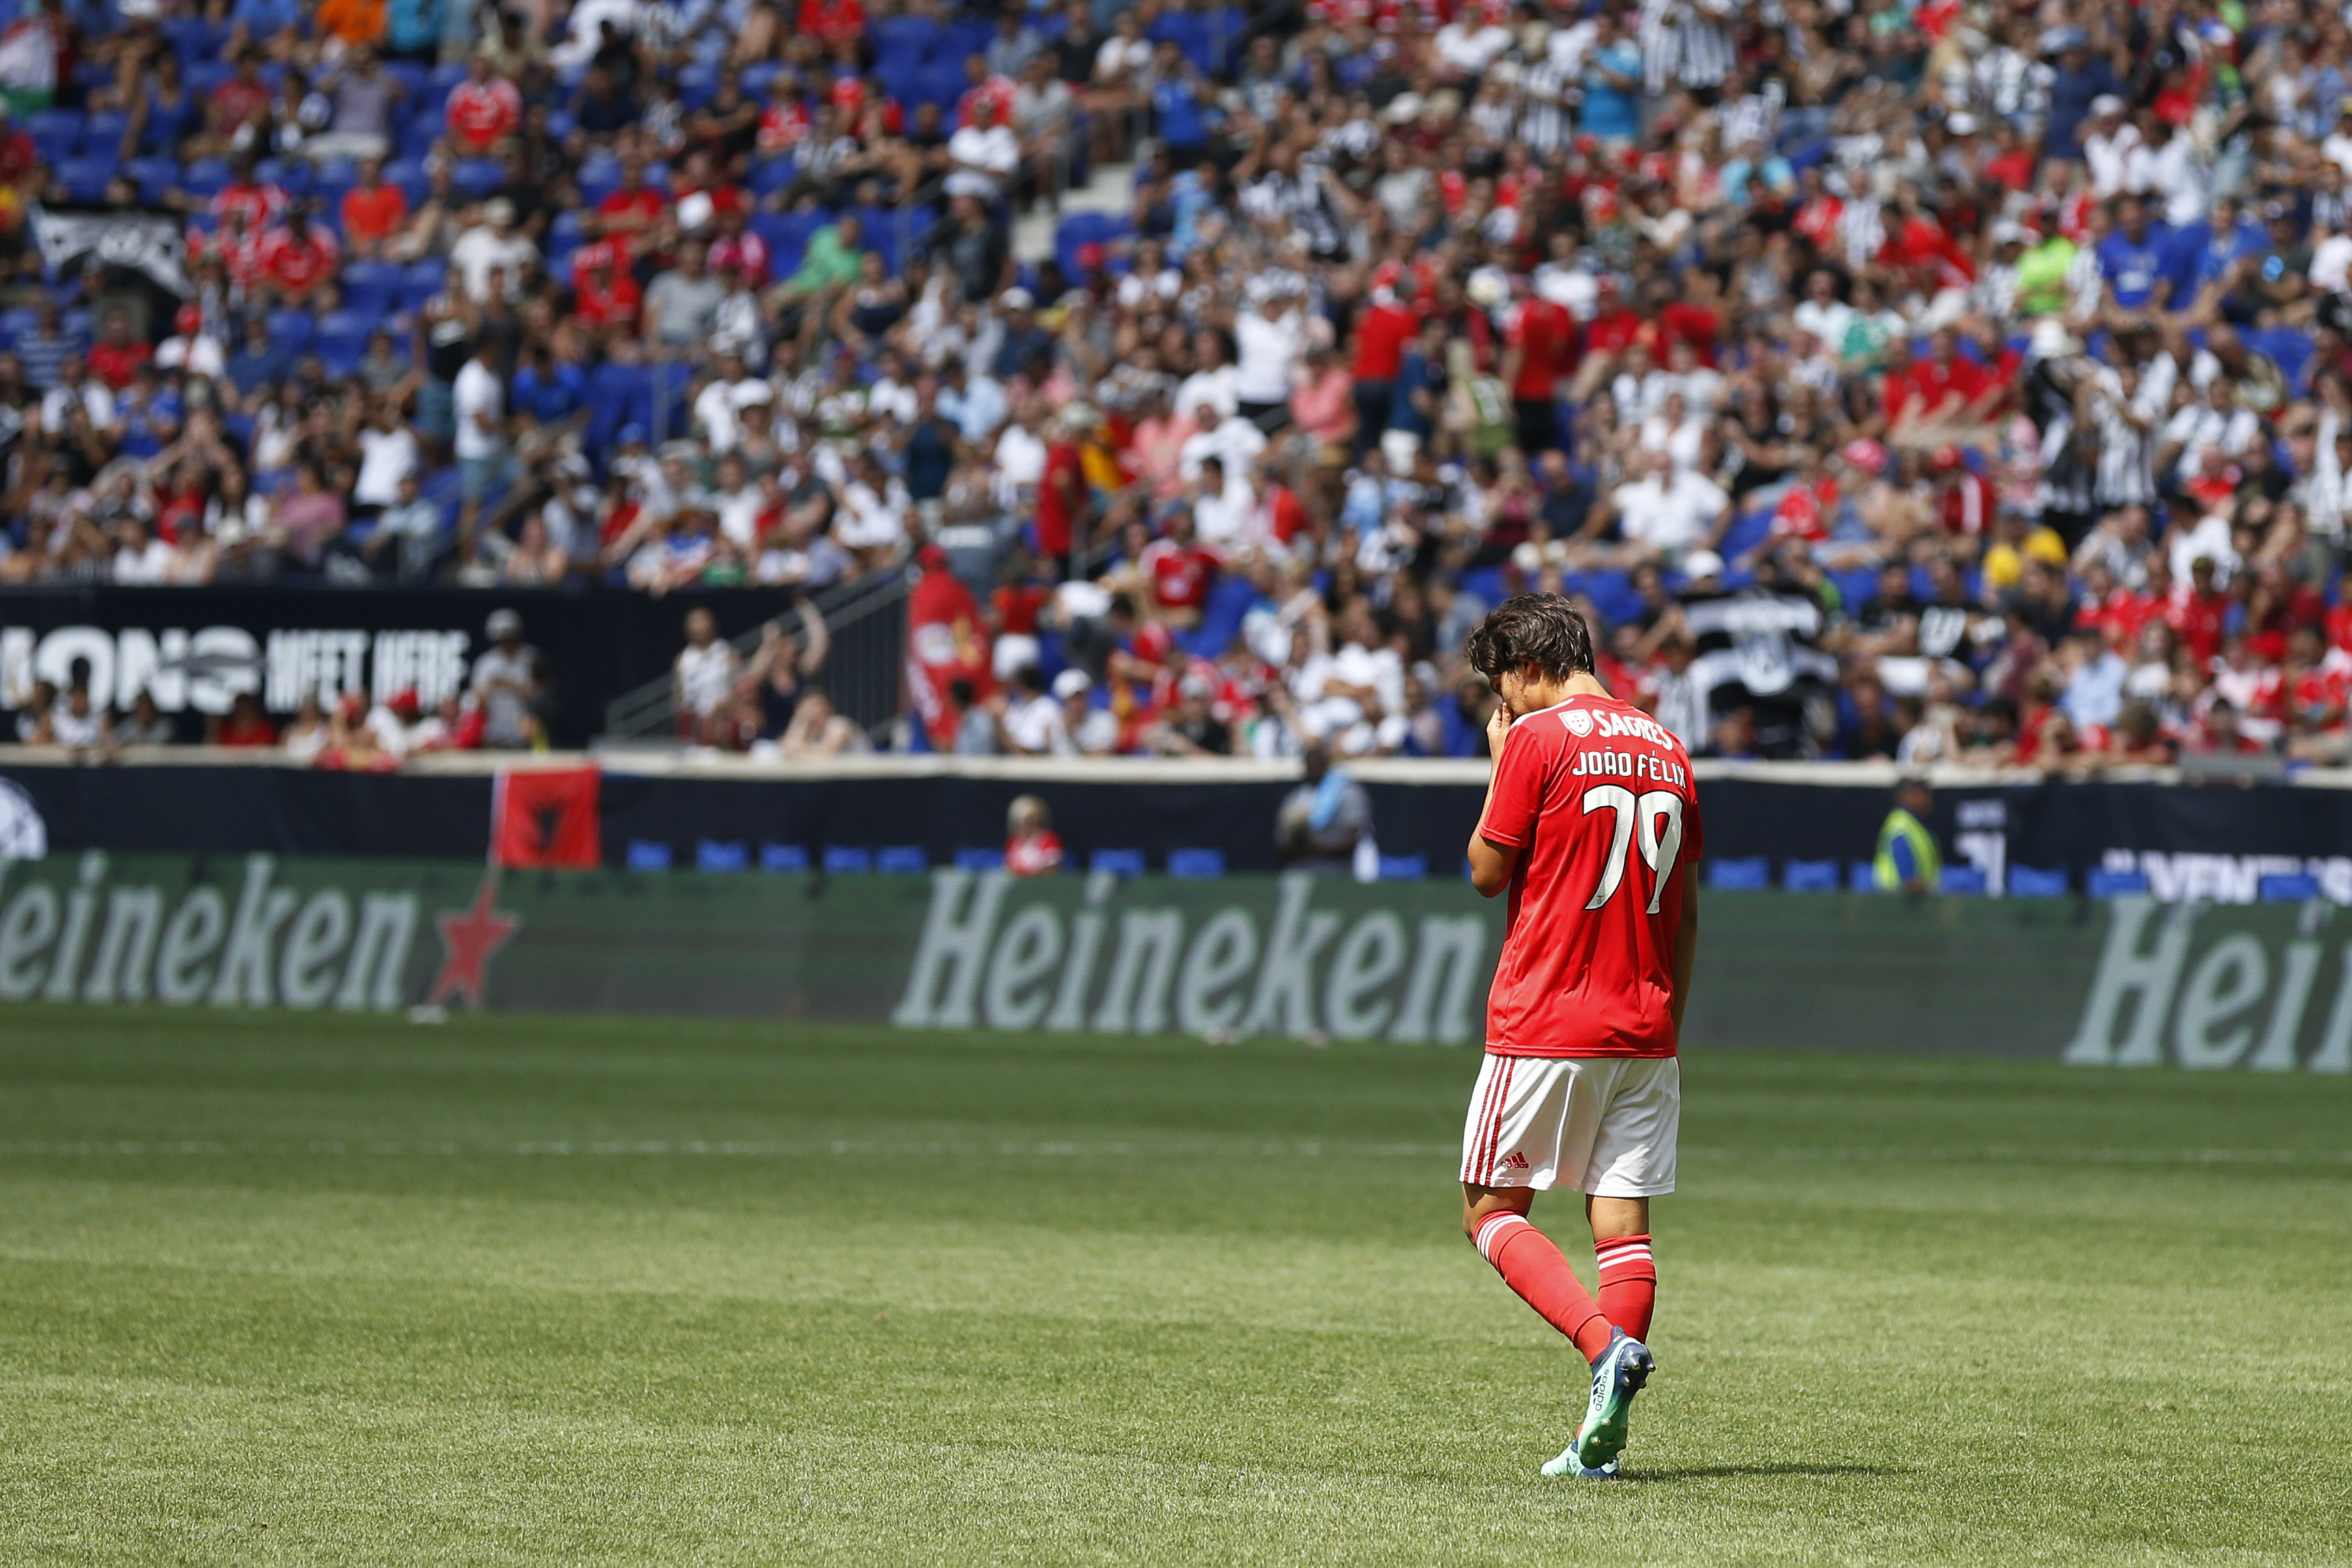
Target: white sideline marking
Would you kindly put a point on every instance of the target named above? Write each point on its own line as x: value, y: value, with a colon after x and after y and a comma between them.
x: 865, y: 1149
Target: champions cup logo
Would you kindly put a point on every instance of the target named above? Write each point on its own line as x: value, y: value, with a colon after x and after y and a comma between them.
x: 1578, y: 722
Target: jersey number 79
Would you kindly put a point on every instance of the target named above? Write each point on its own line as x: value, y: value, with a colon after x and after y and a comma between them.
x: 1637, y: 818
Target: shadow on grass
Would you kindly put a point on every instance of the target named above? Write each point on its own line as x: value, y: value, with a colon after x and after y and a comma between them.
x: 1718, y: 1472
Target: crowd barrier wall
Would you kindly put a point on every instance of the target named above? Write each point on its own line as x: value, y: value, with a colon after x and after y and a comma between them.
x: 2186, y: 840
x: 2121, y: 982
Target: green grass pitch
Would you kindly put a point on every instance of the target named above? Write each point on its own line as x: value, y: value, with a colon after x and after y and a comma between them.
x: 325, y: 1289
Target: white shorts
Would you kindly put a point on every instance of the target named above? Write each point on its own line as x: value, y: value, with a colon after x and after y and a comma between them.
x: 1602, y: 1126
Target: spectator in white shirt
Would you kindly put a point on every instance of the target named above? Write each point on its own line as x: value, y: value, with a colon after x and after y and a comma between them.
x: 1270, y: 338
x: 1664, y: 514
x: 704, y: 675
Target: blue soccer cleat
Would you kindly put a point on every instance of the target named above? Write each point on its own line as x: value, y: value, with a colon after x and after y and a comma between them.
x: 1617, y: 1376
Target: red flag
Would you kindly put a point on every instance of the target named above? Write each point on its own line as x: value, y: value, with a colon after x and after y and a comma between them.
x: 543, y: 819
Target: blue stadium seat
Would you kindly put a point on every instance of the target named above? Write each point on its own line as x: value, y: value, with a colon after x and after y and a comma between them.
x: 906, y: 38
x: 1810, y: 877
x: 1404, y: 868
x: 1196, y: 864
x: 1119, y: 862
x: 1962, y: 882
x: 474, y: 179
x: 204, y: 177
x: 757, y: 77
x: 153, y: 176
x: 412, y: 76
x: 341, y: 340
x: 843, y: 860
x: 377, y: 276
x: 902, y: 860
x: 713, y: 855
x: 408, y: 173
x: 103, y: 132
x: 291, y: 175
x: 330, y: 179
x: 980, y: 860
x: 85, y: 178
x: 2295, y: 888
x: 2026, y: 881
x: 697, y: 85
x: 57, y: 133
x: 783, y: 857
x: 1741, y: 875
x: 646, y: 855
x: 2106, y: 884
x: 201, y: 76
x: 1861, y: 876
x: 597, y: 179
x: 290, y: 328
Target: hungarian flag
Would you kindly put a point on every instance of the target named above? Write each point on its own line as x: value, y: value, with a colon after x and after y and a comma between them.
x: 546, y: 819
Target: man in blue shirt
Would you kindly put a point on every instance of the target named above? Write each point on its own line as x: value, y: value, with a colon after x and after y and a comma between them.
x: 1178, y: 103
x: 257, y: 361
x: 2203, y: 253
x: 2081, y: 77
x: 2136, y: 265
x: 1611, y: 81
x: 549, y: 391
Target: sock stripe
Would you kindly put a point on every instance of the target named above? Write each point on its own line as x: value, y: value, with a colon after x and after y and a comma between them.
x: 1493, y: 1229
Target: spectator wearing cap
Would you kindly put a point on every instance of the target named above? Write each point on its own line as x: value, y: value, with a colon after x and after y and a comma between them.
x: 505, y: 684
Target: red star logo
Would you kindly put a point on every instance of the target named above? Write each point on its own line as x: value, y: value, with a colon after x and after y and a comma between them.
x: 468, y: 940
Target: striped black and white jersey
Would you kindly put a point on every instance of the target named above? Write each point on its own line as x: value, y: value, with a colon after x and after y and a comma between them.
x: 1546, y: 124
x: 2125, y: 474
x: 1686, y: 43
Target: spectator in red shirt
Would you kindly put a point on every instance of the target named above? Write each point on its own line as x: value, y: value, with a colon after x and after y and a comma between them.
x: 1542, y: 338
x: 296, y: 259
x: 605, y: 292
x: 1062, y: 496
x: 372, y: 211
x: 237, y: 102
x: 1381, y: 333
x: 484, y: 110
x: 833, y: 22
x: 116, y: 356
x: 1031, y: 847
x: 1179, y: 571
x: 2199, y: 612
x: 630, y: 214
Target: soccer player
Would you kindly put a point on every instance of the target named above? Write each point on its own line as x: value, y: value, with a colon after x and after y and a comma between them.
x: 1591, y: 822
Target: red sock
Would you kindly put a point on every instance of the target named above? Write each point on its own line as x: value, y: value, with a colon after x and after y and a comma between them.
x: 1629, y: 1282
x: 1532, y: 1266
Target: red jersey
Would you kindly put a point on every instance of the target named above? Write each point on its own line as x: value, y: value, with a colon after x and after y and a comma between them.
x: 1056, y: 511
x: 1598, y: 798
x: 479, y: 114
x: 260, y: 204
x: 298, y: 266
x: 1544, y: 335
x: 1033, y: 854
x: 1381, y: 333
x: 1179, y: 576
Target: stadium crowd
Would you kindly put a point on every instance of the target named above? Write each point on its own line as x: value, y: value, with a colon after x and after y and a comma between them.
x: 1948, y: 382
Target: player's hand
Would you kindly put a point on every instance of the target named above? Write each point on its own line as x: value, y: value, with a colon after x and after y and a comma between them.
x: 1498, y: 724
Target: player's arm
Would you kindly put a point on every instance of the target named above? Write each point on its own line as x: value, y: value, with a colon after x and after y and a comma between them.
x: 1686, y: 947
x: 1491, y: 863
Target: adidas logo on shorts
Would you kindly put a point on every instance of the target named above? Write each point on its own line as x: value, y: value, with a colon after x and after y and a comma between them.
x: 1514, y: 1161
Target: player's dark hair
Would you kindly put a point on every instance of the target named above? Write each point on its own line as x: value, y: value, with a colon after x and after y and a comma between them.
x: 1540, y: 629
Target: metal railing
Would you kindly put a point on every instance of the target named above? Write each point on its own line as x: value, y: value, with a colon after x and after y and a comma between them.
x: 863, y: 674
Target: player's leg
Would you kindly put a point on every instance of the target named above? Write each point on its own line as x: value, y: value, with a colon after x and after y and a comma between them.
x: 1633, y: 1160
x: 1510, y: 1150
x: 1621, y: 1246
